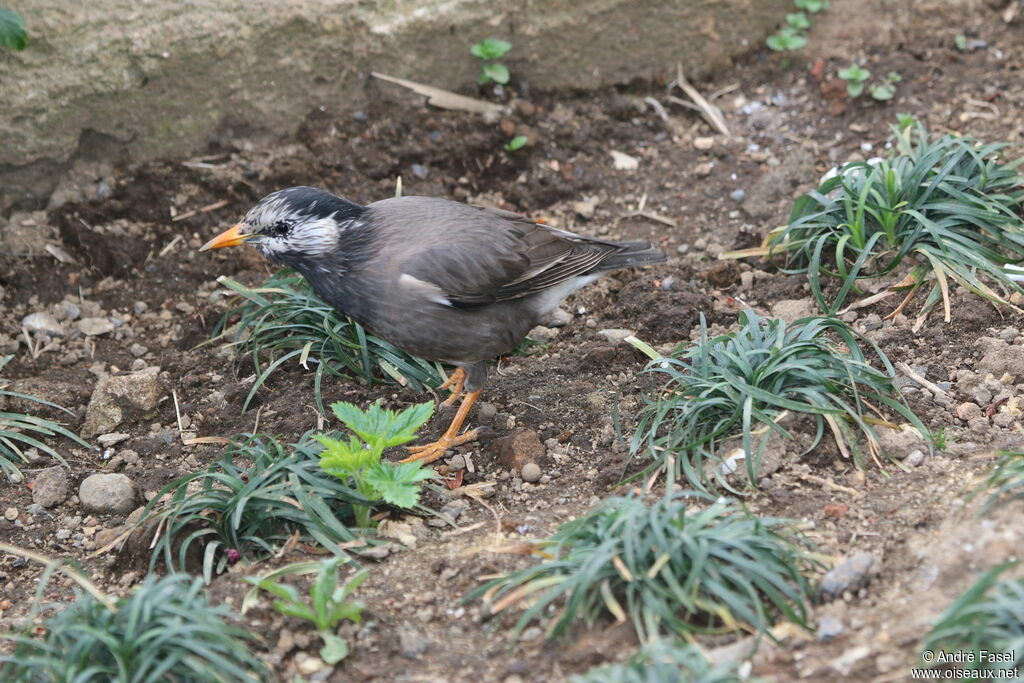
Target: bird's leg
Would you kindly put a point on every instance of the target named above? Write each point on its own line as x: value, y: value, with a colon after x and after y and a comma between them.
x: 432, y: 451
x: 455, y: 382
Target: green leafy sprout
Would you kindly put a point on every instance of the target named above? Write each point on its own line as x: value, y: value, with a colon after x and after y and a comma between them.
x: 944, y: 211
x: 490, y: 50
x: 886, y: 87
x: 664, y: 661
x: 741, y: 385
x: 668, y: 570
x: 516, y: 143
x: 327, y: 604
x: 855, y: 77
x: 164, y: 630
x: 358, y: 459
x: 787, y: 39
x: 20, y: 431
x: 798, y: 20
x: 813, y: 6
x: 248, y: 503
x: 12, y: 30
x: 985, y: 618
x: 284, y: 320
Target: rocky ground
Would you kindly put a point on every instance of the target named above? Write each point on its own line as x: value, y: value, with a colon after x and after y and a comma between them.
x: 106, y: 305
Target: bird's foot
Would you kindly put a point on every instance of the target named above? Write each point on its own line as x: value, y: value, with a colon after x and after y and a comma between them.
x: 430, y: 452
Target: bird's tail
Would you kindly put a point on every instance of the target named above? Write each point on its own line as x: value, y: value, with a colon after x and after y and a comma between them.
x: 634, y: 253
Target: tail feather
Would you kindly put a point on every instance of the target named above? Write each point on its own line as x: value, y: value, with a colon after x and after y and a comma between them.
x: 634, y: 253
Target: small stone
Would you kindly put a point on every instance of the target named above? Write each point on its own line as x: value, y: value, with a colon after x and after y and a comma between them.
x: 829, y: 628
x: 92, y: 327
x: 11, y: 514
x: 738, y: 196
x: 1009, y: 334
x: 703, y: 143
x: 63, y: 534
x: 668, y: 282
x: 66, y: 310
x: 412, y: 643
x: 915, y: 458
x: 531, y: 634
x: 530, y: 472
x: 119, y: 398
x: 968, y: 410
x: 872, y: 322
x: 108, y: 494
x: 486, y: 410
x: 309, y: 665
x: 702, y: 169
x: 42, y: 323
x: 420, y: 171
x: 624, y: 162
x: 791, y: 310
x: 585, y: 208
x: 543, y: 334
x: 112, y: 438
x: 519, y: 448
x: 849, y: 575
x: 50, y: 487
x: 615, y: 335
x: 457, y: 462
x: 138, y: 350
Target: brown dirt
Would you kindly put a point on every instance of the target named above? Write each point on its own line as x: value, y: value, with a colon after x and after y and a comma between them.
x: 135, y: 263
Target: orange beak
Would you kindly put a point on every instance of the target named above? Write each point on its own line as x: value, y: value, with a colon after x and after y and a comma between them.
x: 231, y: 237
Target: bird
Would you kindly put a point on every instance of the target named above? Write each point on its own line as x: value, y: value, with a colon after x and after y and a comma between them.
x: 438, y: 279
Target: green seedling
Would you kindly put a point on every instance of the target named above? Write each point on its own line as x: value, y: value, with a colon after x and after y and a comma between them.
x: 358, y: 459
x: 855, y: 78
x: 886, y: 88
x: 798, y: 20
x: 489, y: 51
x: 516, y: 143
x: 813, y: 6
x: 326, y: 606
x: 12, y: 30
x: 787, y: 39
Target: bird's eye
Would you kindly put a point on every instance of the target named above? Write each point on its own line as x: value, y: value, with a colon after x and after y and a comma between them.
x: 280, y: 228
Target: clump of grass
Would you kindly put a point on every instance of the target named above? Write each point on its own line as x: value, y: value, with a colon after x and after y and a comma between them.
x: 986, y: 621
x: 327, y: 604
x: 947, y: 208
x: 663, y: 661
x: 20, y: 431
x: 284, y: 319
x: 1005, y: 481
x: 165, y: 630
x: 248, y: 503
x: 742, y: 384
x: 667, y: 569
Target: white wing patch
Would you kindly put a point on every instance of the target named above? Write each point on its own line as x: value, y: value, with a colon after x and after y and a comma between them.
x: 429, y: 289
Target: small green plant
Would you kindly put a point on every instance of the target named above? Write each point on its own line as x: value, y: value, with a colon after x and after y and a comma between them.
x: 886, y: 87
x: 516, y: 143
x: 1005, y: 481
x: 787, y: 39
x: 327, y: 604
x: 739, y: 386
x: 165, y: 630
x: 285, y: 320
x: 949, y: 208
x: 961, y: 43
x: 986, y: 621
x: 20, y: 431
x: 798, y: 20
x: 904, y: 121
x: 941, y: 438
x: 12, y: 30
x: 813, y: 6
x: 358, y: 460
x: 855, y: 78
x: 245, y: 505
x: 491, y: 50
x: 664, y: 661
x: 667, y: 569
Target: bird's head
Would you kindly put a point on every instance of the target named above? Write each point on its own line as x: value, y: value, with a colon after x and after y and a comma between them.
x: 292, y: 224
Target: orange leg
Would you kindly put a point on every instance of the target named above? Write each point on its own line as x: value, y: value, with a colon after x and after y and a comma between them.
x: 432, y: 451
x: 455, y: 382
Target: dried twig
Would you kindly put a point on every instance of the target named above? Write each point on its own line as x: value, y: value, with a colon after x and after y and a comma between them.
x: 203, y: 209
x: 918, y: 379
x: 444, y: 99
x: 711, y: 113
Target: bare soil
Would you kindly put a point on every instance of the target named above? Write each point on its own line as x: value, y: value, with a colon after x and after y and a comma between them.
x: 791, y: 122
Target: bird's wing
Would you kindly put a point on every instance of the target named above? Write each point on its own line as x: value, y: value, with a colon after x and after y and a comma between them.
x: 480, y: 256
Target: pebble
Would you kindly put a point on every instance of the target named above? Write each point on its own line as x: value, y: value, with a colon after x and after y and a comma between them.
x: 138, y: 350
x: 829, y: 628
x: 419, y: 171
x: 42, y: 323
x: 915, y: 458
x: 738, y: 196
x: 703, y: 143
x: 309, y: 665
x: 543, y: 334
x: 1009, y: 334
x: 92, y: 327
x: 457, y: 462
x: 51, y: 487
x: 702, y: 169
x: 531, y: 634
x: 872, y: 322
x: 108, y: 494
x: 615, y: 335
x: 531, y: 472
x: 585, y: 208
x: 11, y: 514
x: 848, y: 575
x: 66, y: 310
x: 519, y: 448
x: 412, y: 643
